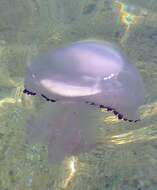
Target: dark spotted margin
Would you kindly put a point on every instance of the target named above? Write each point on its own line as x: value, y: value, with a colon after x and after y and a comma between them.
x: 25, y: 91
x: 28, y: 92
x: 119, y: 115
x: 48, y: 99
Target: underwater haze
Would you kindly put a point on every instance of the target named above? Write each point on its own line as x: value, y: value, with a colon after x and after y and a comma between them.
x: 110, y: 154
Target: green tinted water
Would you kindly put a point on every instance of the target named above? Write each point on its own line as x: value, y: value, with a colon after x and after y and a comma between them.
x: 127, y: 156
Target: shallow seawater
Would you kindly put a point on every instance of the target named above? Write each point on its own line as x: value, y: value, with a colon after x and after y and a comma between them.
x: 126, y: 154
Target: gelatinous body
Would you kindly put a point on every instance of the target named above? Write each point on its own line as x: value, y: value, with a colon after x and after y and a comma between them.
x: 78, y: 77
x: 88, y: 71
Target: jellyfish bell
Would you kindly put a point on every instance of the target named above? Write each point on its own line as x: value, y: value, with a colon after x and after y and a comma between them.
x: 88, y: 71
x: 79, y: 77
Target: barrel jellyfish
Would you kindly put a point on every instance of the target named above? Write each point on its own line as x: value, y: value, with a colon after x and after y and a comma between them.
x: 76, y: 79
